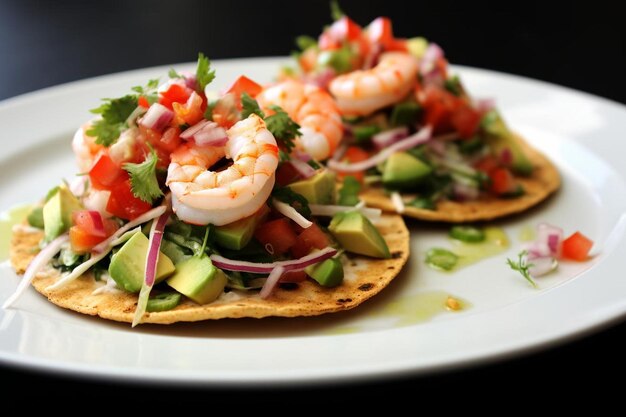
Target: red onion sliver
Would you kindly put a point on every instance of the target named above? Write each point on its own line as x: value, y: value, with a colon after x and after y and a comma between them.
x: 383, y: 139
x: 290, y: 212
x: 98, y: 223
x: 266, y: 268
x: 304, y: 169
x: 485, y: 104
x: 552, y: 236
x: 422, y: 136
x: 152, y: 259
x: 272, y: 281
x: 157, y: 117
x: 537, y: 250
x: 190, y: 131
x: 541, y: 266
x: 38, y: 262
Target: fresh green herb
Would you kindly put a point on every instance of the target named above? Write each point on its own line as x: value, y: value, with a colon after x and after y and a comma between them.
x: 340, y: 60
x: 143, y: 178
x: 405, y: 114
x: 250, y: 106
x: 114, y: 114
x: 453, y: 85
x: 489, y: 118
x: 283, y: 156
x: 204, y: 74
x: 335, y: 10
x: 98, y: 273
x: 284, y: 129
x: 313, y: 164
x: 295, y: 200
x: 163, y: 302
x: 173, y: 74
x: 468, y: 234
x: 205, y: 240
x: 149, y: 91
x: 443, y: 259
x: 471, y: 146
x: 522, y: 266
x: 192, y: 243
x: 517, y: 192
x: 305, y: 42
x: 424, y: 203
x: 349, y: 192
x: 363, y: 134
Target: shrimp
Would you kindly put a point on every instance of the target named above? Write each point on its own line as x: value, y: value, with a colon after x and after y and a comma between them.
x: 362, y: 92
x: 87, y: 150
x: 201, y: 196
x: 313, y: 109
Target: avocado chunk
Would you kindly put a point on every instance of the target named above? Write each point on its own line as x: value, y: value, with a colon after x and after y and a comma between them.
x: 403, y: 171
x: 500, y: 139
x: 319, y: 189
x: 328, y: 273
x: 339, y: 59
x: 238, y: 234
x: 198, y: 279
x: 128, y: 265
x: 57, y: 212
x: 417, y: 46
x: 357, y: 234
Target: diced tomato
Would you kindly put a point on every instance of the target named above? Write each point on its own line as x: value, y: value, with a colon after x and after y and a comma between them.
x: 380, y: 31
x: 170, y: 140
x: 577, y: 247
x: 354, y: 154
x: 277, y: 233
x: 327, y: 43
x: 104, y: 172
x: 176, y: 93
x: 344, y: 29
x: 241, y: 85
x: 487, y: 164
x: 225, y: 112
x: 465, y: 121
x: 143, y: 102
x: 190, y: 112
x: 310, y: 238
x: 89, y: 220
x: 399, y: 45
x: 502, y: 181
x: 84, y: 235
x: 123, y: 203
x: 293, y: 276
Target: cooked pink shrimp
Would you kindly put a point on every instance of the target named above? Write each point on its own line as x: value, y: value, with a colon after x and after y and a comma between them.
x: 362, y: 92
x: 200, y: 196
x: 87, y: 150
x: 313, y: 109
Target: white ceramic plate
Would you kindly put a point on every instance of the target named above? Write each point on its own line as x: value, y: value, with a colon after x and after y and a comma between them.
x: 581, y: 133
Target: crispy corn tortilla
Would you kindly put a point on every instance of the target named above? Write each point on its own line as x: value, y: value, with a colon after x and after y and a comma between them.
x: 364, y: 278
x: 544, y: 181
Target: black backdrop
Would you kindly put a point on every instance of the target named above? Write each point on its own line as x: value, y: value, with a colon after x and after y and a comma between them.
x: 580, y: 45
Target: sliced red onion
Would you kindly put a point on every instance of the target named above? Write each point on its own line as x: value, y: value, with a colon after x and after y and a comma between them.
x: 398, y: 203
x: 422, y: 136
x: 79, y: 185
x: 38, y: 262
x: 206, y: 133
x: 272, y: 281
x: 267, y: 268
x: 373, y: 214
x: 383, y: 139
x: 484, y: 105
x: 552, y: 236
x: 302, y: 156
x: 157, y: 117
x: 431, y: 55
x: 290, y: 212
x: 340, y: 151
x: 437, y: 146
x: 506, y: 156
x: 371, y: 60
x: 321, y: 79
x: 537, y: 249
x: 304, y: 169
x: 97, y: 200
x: 465, y: 192
x: 190, y: 81
x: 146, y: 217
x: 152, y: 259
x: 98, y: 223
x: 95, y: 258
x: 542, y: 266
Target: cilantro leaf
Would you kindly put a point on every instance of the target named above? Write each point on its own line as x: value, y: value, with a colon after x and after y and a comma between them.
x: 304, y: 42
x: 349, y: 192
x: 204, y: 74
x: 114, y: 113
x: 295, y: 200
x: 335, y: 10
x: 149, y: 91
x: 250, y: 106
x: 143, y: 178
x: 173, y: 74
x: 283, y: 128
x: 522, y: 266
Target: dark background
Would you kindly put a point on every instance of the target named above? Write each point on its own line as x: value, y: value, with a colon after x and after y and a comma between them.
x: 581, y: 45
